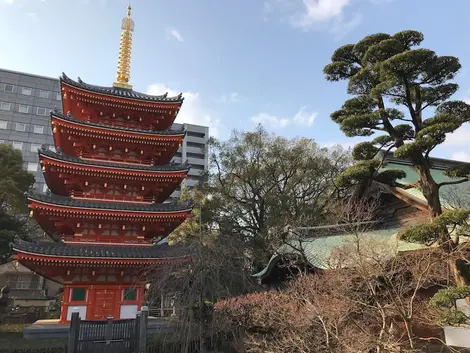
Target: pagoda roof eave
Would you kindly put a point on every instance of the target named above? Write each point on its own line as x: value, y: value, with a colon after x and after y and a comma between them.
x: 123, y: 93
x: 118, y: 207
x: 60, y: 252
x: 160, y: 169
x: 72, y: 120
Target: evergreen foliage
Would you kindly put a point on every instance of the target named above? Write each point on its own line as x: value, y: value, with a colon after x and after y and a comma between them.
x: 393, y: 82
x: 14, y: 183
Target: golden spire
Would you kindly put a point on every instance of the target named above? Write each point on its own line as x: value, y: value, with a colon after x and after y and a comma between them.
x: 125, y: 50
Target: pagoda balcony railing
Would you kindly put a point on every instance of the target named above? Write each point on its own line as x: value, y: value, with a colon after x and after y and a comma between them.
x: 116, y: 159
x: 111, y: 198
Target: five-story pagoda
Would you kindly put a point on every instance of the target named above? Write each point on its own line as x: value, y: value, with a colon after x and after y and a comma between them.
x: 108, y: 181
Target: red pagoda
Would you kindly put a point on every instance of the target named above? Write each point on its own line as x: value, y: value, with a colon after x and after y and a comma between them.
x: 108, y: 182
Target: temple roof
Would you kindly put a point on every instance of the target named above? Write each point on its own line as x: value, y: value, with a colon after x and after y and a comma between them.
x: 60, y: 249
x: 70, y: 118
x: 121, y: 92
x: 112, y: 206
x: 451, y: 195
x: 174, y: 167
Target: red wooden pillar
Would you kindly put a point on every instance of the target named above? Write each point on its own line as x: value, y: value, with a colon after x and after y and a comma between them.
x: 65, y: 305
x: 90, y: 313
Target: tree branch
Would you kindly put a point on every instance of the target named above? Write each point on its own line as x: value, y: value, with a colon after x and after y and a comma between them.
x: 454, y: 182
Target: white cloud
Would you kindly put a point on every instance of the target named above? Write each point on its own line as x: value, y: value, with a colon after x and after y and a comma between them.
x: 461, y: 156
x: 459, y: 138
x: 270, y: 120
x: 321, y: 10
x: 172, y: 32
x: 301, y: 118
x: 457, y: 145
x: 346, y: 144
x: 334, y: 16
x: 232, y: 97
x: 341, y: 27
x: 304, y: 118
x: 9, y: 2
x: 33, y: 16
x: 192, y: 111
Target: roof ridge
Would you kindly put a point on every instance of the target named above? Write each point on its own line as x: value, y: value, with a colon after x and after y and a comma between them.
x: 122, y: 92
x: 171, y: 167
x: 116, y: 206
x: 69, y: 117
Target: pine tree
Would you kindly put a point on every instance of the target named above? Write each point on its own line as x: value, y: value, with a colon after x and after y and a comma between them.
x: 401, y: 99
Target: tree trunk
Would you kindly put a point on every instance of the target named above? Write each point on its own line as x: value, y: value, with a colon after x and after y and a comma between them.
x: 460, y: 272
x: 430, y: 190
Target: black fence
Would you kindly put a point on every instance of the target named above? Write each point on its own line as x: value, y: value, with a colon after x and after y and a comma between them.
x: 35, y: 350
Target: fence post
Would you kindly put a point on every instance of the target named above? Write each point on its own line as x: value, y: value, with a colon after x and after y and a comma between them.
x: 143, y: 329
x: 73, y: 333
x: 108, y: 334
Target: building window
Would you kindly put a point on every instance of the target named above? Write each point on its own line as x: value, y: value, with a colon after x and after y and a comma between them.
x: 194, y: 155
x: 41, y: 111
x: 196, y: 134
x: 24, y: 281
x: 38, y: 129
x: 58, y: 96
x: 32, y: 167
x: 130, y: 294
x: 20, y: 127
x: 5, y: 106
x: 35, y: 147
x: 3, y: 124
x: 195, y: 144
x: 18, y: 145
x: 197, y: 166
x: 8, y: 88
x: 23, y: 108
x: 78, y: 294
x: 26, y: 91
x: 43, y: 94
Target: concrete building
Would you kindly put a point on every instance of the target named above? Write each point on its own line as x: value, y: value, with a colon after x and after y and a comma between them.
x: 27, y: 289
x: 25, y: 102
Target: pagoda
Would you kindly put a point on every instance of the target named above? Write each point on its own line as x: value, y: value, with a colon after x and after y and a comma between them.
x: 109, y: 179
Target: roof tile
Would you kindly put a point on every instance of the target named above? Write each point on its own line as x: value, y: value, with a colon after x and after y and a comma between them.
x: 101, y: 251
x: 121, y: 92
x: 118, y: 206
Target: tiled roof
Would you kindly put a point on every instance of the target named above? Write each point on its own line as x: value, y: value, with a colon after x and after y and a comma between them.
x: 174, y: 167
x: 169, y: 132
x: 121, y: 92
x: 319, y: 250
x: 448, y: 193
x: 116, y: 206
x: 100, y: 251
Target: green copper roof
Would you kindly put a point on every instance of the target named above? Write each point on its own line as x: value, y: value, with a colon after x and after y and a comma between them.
x: 447, y: 192
x: 319, y: 251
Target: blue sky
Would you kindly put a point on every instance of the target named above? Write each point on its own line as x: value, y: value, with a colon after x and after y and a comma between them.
x: 238, y: 62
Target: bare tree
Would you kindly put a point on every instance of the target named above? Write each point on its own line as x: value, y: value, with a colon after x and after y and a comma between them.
x: 375, y: 298
x: 217, y: 270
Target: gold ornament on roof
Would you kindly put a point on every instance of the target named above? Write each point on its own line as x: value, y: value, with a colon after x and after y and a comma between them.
x: 125, y: 51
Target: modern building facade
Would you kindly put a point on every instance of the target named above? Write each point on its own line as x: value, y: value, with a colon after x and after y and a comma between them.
x: 25, y: 103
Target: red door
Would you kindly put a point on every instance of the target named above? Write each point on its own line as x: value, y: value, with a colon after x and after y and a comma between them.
x: 105, y: 303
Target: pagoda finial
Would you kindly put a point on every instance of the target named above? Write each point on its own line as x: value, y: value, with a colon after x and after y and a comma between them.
x: 125, y: 51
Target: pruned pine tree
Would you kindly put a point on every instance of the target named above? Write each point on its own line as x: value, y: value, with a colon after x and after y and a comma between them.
x: 401, y: 100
